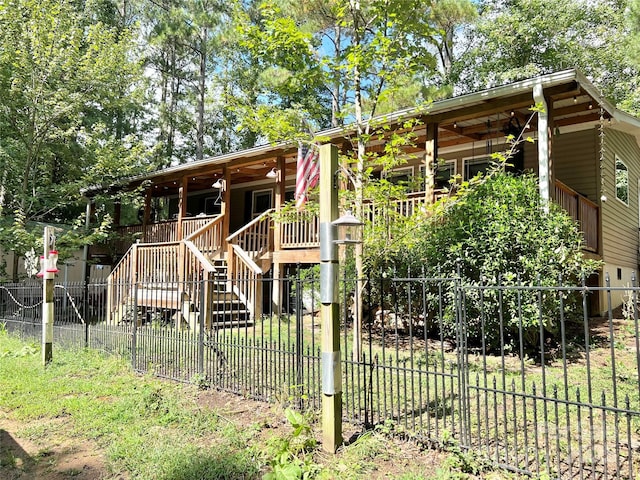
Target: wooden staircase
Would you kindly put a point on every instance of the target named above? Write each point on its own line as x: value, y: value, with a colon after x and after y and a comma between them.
x: 185, y: 282
x: 227, y: 308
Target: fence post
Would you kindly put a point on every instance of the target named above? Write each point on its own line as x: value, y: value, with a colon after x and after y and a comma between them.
x: 203, y: 312
x: 48, y: 275
x: 134, y: 319
x: 462, y: 360
x: 331, y: 365
x: 299, y: 326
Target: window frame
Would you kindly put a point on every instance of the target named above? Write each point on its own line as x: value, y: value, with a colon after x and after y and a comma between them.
x: 618, y: 160
x: 474, y: 161
x: 454, y: 171
x: 396, y: 173
x: 256, y: 193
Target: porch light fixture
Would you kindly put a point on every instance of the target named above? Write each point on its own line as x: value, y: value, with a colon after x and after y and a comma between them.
x: 348, y: 228
x: 273, y: 173
x: 217, y: 184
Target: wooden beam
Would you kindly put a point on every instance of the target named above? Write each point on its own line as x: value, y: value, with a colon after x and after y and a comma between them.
x: 330, y: 366
x: 225, y: 207
x: 279, y: 200
x: 146, y: 213
x: 496, y: 105
x: 430, y: 159
x: 297, y: 256
x: 182, y: 205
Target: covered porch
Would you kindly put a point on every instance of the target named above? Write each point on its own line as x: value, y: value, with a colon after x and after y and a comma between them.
x: 223, y: 215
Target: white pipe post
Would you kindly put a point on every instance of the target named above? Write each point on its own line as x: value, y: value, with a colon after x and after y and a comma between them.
x: 543, y: 147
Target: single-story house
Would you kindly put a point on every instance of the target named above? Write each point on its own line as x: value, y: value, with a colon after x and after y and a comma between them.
x: 217, y: 217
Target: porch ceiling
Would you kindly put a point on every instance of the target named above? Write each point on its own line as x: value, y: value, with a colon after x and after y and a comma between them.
x: 462, y: 120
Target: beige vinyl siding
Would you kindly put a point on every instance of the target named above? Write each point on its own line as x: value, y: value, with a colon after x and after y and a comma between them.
x: 619, y: 221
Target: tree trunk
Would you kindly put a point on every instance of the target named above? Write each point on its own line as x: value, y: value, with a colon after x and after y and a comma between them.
x: 201, y: 96
x: 335, y: 94
x: 359, y: 194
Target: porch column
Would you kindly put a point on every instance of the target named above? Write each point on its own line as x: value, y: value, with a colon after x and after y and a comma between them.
x: 545, y: 163
x: 224, y: 207
x: 182, y: 205
x: 146, y: 213
x: 276, y: 294
x: 117, y: 212
x: 430, y: 159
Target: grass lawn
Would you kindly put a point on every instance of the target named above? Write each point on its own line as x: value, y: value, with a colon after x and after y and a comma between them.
x: 89, y: 416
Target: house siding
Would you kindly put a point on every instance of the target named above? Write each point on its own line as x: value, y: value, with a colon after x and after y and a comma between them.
x: 620, y: 221
x: 576, y: 161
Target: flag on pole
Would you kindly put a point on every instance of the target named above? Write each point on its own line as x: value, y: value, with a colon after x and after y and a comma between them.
x: 307, y: 172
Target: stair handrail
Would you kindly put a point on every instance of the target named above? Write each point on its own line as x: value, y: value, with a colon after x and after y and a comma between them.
x: 237, y: 237
x: 244, y: 277
x: 255, y: 268
x: 124, y: 258
x: 212, y: 233
x: 117, y: 287
x: 207, y: 266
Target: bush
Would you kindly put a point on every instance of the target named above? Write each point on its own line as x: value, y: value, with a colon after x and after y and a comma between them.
x: 496, y: 233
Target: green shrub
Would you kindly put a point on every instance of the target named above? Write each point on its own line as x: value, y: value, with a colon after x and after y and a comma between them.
x: 497, y: 233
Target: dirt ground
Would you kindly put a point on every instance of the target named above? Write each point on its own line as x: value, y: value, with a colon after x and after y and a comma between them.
x: 60, y: 458
x: 63, y: 457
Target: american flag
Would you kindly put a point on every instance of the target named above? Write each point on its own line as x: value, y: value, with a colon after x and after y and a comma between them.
x: 307, y: 173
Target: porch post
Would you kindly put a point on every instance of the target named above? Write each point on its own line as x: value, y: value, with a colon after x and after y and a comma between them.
x: 224, y: 208
x: 276, y: 294
x: 545, y: 166
x: 182, y: 206
x: 330, y: 317
x: 182, y: 267
x: 146, y: 213
x: 430, y: 159
x: 117, y: 212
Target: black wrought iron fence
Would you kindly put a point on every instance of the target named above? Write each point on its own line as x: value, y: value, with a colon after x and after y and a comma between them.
x: 525, y: 375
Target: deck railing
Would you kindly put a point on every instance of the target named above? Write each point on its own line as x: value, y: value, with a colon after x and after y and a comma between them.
x: 171, y: 273
x: 255, y: 237
x: 245, y: 278
x: 244, y: 248
x: 209, y: 237
x: 376, y: 212
x: 300, y: 230
x: 149, y: 264
x: 583, y: 210
x: 164, y: 231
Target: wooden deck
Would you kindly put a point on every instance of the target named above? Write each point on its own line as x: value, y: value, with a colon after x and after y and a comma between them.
x: 300, y: 234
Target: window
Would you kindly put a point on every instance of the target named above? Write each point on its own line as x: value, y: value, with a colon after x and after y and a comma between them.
x: 444, y: 172
x: 474, y: 166
x: 212, y: 205
x: 261, y: 202
x: 400, y: 176
x: 622, y: 181
x: 289, y: 194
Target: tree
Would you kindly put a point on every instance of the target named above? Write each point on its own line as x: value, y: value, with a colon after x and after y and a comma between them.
x: 518, y: 39
x: 376, y: 50
x: 497, y: 234
x: 184, y: 38
x: 449, y: 17
x: 59, y: 76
